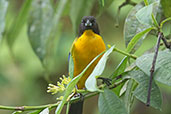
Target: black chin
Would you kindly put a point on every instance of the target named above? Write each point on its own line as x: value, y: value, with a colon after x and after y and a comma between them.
x: 95, y: 29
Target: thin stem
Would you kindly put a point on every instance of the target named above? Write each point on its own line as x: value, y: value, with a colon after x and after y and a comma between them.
x: 124, y: 53
x: 27, y: 108
x: 153, y: 68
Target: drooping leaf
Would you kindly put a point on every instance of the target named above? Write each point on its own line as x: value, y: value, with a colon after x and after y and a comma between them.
x: 109, y: 103
x: 71, y: 66
x: 137, y: 38
x: 17, y: 112
x: 144, y: 14
x: 133, y: 26
x: 162, y: 71
x: 45, y: 111
x: 19, y: 22
x: 91, y: 84
x: 120, y: 68
x: 128, y: 98
x: 3, y: 10
x: 72, y: 84
x: 166, y: 5
x: 123, y: 89
x: 79, y: 8
x: 40, y: 24
x: 142, y: 89
x: 35, y: 112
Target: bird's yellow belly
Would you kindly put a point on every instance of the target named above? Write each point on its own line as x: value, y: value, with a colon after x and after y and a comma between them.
x: 86, y: 48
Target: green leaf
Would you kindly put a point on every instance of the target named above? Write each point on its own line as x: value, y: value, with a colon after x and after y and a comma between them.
x: 3, y: 10
x: 144, y: 14
x: 136, y: 38
x: 40, y: 25
x: 162, y: 71
x: 45, y: 111
x: 142, y: 89
x: 109, y: 103
x: 71, y: 66
x: 72, y: 84
x: 79, y: 8
x: 166, y: 5
x: 19, y: 22
x: 132, y: 26
x: 91, y: 84
x: 120, y: 68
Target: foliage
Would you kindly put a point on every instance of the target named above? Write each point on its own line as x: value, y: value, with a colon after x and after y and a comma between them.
x: 43, y: 22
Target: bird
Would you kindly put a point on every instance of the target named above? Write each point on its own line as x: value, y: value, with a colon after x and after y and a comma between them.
x: 87, y: 45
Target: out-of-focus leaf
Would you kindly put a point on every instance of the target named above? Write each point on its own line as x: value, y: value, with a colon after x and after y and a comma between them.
x: 142, y: 89
x: 79, y: 8
x: 72, y: 84
x: 133, y: 26
x: 3, y: 9
x: 45, y: 111
x: 19, y: 22
x: 109, y: 103
x: 136, y: 38
x: 3, y: 80
x: 91, y: 84
x: 166, y: 5
x: 144, y: 14
x: 40, y: 24
x: 120, y: 68
x: 43, y: 25
x: 162, y: 71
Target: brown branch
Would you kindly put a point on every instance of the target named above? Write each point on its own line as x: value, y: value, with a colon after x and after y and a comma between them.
x: 160, y: 35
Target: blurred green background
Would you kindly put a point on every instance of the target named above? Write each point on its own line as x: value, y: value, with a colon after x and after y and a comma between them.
x: 23, y: 79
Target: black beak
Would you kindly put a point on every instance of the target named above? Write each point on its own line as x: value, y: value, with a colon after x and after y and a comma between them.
x: 88, y: 23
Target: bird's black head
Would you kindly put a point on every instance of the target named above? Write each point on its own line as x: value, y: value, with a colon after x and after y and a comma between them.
x: 88, y: 23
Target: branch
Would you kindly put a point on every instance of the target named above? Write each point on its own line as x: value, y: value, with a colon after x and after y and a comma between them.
x: 27, y: 108
x: 160, y: 35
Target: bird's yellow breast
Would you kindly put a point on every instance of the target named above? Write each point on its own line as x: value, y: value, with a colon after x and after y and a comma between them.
x: 84, y: 50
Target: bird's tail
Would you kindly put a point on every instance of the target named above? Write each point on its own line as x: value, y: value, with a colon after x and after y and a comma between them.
x: 76, y: 108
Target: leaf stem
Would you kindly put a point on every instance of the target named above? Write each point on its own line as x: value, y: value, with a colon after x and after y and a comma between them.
x: 164, y: 21
x: 125, y: 53
x: 154, y: 20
